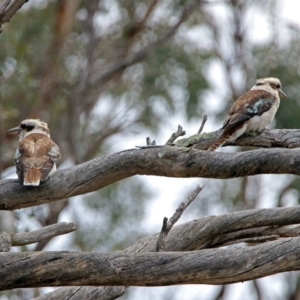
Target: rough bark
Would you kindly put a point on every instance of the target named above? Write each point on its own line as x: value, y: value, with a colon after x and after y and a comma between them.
x: 286, y: 138
x: 140, y: 265
x: 26, y: 238
x: 167, y: 161
x: 172, y: 161
x: 217, y: 266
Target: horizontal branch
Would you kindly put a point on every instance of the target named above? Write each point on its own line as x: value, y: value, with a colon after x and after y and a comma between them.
x: 204, y: 233
x: 217, y: 266
x: 210, y: 266
x: 169, y: 161
x: 26, y: 238
x: 275, y: 138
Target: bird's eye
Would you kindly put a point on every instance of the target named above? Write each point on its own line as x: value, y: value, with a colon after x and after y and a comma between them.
x: 278, y: 86
x: 29, y: 127
x: 274, y: 86
x: 23, y: 126
x: 259, y: 83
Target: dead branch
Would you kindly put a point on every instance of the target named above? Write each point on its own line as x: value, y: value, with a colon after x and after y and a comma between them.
x: 211, y: 266
x: 280, y: 138
x: 212, y: 231
x: 149, y: 142
x: 202, y: 124
x: 159, y: 161
x: 175, y: 135
x: 26, y: 238
x: 168, y: 225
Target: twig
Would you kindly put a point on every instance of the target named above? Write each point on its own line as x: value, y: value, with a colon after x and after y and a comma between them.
x: 26, y: 238
x: 149, y: 142
x: 150, y: 146
x: 175, y: 135
x: 202, y: 124
x: 167, y: 225
x: 160, y: 246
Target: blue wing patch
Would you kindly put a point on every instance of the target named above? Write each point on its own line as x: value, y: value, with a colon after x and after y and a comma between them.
x: 259, y: 107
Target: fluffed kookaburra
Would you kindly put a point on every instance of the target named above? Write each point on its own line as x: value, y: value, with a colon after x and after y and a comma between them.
x: 35, y: 158
x: 251, y: 112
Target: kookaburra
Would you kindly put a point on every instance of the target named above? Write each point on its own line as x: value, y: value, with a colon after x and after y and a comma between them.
x: 252, y: 111
x: 35, y: 158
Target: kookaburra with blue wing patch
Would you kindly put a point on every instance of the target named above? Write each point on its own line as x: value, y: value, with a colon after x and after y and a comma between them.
x: 251, y: 112
x: 37, y: 153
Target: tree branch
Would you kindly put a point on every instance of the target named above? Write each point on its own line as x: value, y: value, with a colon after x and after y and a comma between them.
x: 8, y: 9
x: 202, y: 124
x: 283, y: 138
x: 26, y: 238
x: 217, y: 266
x: 163, y: 161
x: 208, y: 232
x: 168, y: 225
x: 175, y: 135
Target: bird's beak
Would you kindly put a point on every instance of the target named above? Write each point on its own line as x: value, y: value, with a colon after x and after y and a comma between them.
x: 281, y: 93
x: 16, y: 129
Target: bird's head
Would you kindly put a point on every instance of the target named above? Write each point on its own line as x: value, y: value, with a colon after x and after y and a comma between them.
x: 30, y: 126
x: 270, y: 84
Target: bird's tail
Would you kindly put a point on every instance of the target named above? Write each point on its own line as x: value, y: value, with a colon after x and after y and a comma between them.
x: 225, y: 137
x: 32, y: 177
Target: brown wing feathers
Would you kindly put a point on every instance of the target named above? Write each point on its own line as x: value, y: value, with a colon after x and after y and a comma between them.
x: 252, y: 103
x: 35, y: 163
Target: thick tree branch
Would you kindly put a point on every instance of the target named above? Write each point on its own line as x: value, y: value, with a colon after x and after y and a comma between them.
x: 214, y: 231
x: 199, y: 234
x: 164, y: 161
x: 217, y: 266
